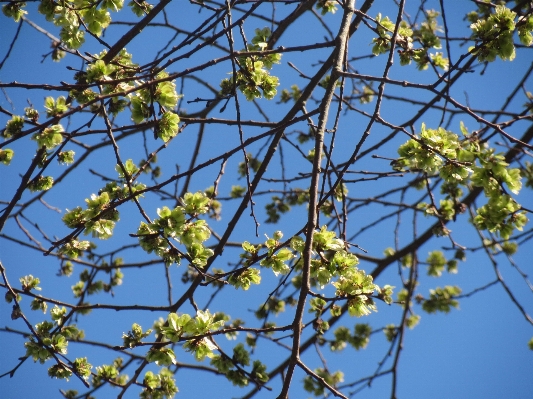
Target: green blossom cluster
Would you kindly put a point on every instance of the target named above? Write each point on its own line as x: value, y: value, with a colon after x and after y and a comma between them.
x: 6, y: 155
x: 193, y: 332
x: 109, y: 372
x: 437, y: 263
x: 66, y: 157
x: 331, y: 264
x: 441, y: 299
x: 159, y: 386
x: 252, y: 77
x: 358, y: 340
x: 74, y: 248
x: 325, y: 6
x: 165, y: 95
x: 294, y: 94
x: 426, y: 35
x: 233, y: 367
x: 55, y: 107
x: 118, y: 77
x: 50, y: 137
x: 87, y: 285
x: 460, y: 162
x: 13, y: 127
x: 112, y: 79
x: 41, y: 183
x: 52, y: 339
x: 178, y: 225
x: 14, y: 9
x: 316, y: 387
x: 185, y: 328
x: 493, y: 33
x: 135, y: 336
x: 99, y: 218
x: 74, y: 16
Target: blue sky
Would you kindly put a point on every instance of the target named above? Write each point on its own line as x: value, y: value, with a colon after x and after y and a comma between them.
x: 479, y: 350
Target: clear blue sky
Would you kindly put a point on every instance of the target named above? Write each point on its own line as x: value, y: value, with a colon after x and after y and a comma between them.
x: 478, y: 351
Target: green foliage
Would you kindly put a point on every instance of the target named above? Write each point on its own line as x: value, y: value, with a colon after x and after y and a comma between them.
x: 429, y: 152
x: 203, y: 323
x: 525, y: 29
x: 259, y: 372
x: 527, y: 173
x: 412, y: 321
x: 493, y: 172
x: 390, y: 332
x: 73, y: 18
x: 48, y: 342
x: 196, y: 204
x: 130, y: 169
x: 316, y: 305
x: 241, y: 355
x: 58, y: 314
x: 385, y: 293
x: 367, y: 95
x: 509, y: 247
x: 361, y: 336
x: 278, y: 261
x: 501, y: 215
x: 185, y: 325
x: 31, y: 113
x: 237, y: 191
x: 274, y: 306
x: 333, y: 265
x: 358, y: 340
